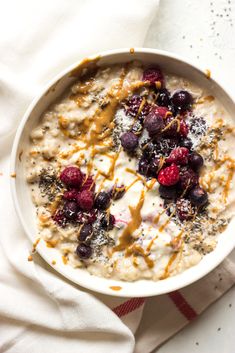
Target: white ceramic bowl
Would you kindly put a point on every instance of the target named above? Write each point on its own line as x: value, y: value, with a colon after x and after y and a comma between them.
x: 25, y: 207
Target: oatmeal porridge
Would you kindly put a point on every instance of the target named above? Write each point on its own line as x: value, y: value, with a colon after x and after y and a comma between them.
x: 131, y: 172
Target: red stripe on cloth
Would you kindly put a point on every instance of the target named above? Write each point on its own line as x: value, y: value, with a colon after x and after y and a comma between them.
x: 128, y: 306
x: 183, y: 306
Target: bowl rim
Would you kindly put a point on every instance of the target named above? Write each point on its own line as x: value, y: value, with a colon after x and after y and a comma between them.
x: 13, y: 160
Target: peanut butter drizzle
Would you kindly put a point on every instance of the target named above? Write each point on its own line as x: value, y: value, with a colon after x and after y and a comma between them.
x: 208, y: 73
x: 54, y: 205
x: 131, y: 171
x: 208, y: 99
x: 80, y: 96
x: 131, y: 184
x: 85, y: 64
x: 158, y: 216
x: 170, y: 262
x: 35, y: 244
x: 207, y: 184
x: 228, y: 182
x: 137, y: 249
x: 174, y: 242
x: 65, y: 259
x: 126, y: 238
x: 151, y: 183
x: 116, y: 288
x: 163, y: 226
x: 135, y: 261
x: 148, y: 249
x: 51, y: 243
x: 103, y: 118
x: 110, y: 173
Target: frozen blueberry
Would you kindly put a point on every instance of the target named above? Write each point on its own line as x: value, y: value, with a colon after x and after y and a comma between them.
x: 154, y: 166
x: 182, y: 100
x: 196, y: 161
x: 102, y: 200
x: 163, y: 98
x: 186, y: 142
x: 70, y: 209
x: 143, y: 166
x: 129, y: 141
x: 153, y: 123
x: 198, y: 196
x: 107, y: 221
x: 85, y: 231
x: 83, y: 251
x: 167, y: 192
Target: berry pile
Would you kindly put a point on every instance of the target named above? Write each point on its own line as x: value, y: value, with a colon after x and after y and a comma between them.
x: 167, y: 154
x: 82, y: 206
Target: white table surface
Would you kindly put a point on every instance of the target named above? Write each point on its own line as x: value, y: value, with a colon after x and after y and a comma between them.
x: 204, y: 32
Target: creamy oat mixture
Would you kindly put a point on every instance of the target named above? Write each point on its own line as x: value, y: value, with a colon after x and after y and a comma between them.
x: 117, y: 127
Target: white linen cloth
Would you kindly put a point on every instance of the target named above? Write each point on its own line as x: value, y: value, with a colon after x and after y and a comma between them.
x: 39, y: 310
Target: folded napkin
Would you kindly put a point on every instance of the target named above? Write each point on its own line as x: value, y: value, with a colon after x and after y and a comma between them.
x: 40, y: 310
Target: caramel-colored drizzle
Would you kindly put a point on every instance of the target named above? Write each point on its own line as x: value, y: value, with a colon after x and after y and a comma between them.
x: 137, y: 249
x: 163, y: 226
x: 151, y: 183
x: 228, y: 181
x: 85, y: 64
x: 110, y: 173
x: 131, y: 184
x: 116, y: 288
x: 131, y: 171
x: 126, y: 238
x: 35, y: 244
x: 96, y: 130
x: 207, y: 183
x: 51, y: 243
x: 170, y: 262
x: 148, y: 249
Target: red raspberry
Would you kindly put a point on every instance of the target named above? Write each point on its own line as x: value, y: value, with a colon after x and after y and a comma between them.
x: 85, y: 200
x: 169, y: 176
x: 184, y: 209
x: 71, y: 176
x: 88, y: 183
x: 171, y: 127
x: 179, y: 156
x: 153, y: 75
x: 86, y: 217
x: 81, y: 217
x: 162, y: 111
x: 188, y: 178
x: 183, y: 128
x: 71, y: 194
x: 59, y: 218
x: 132, y: 106
x: 91, y: 216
